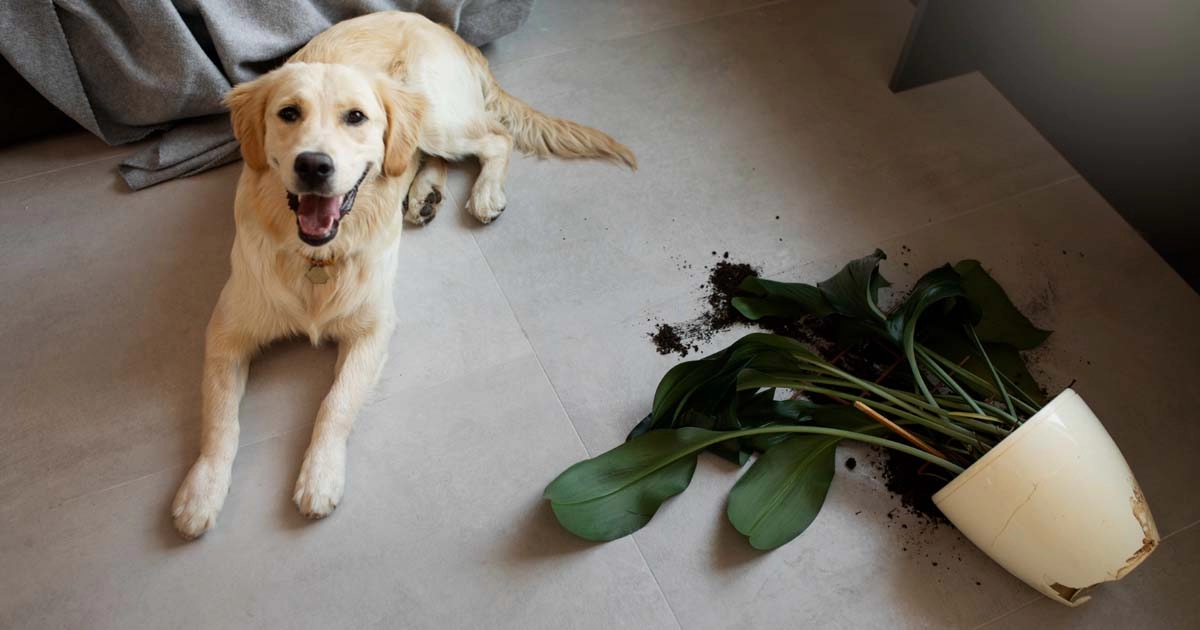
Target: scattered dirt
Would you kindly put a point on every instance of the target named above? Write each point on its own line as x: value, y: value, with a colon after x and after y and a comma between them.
x: 914, y: 482
x: 724, y: 277
x: 667, y: 341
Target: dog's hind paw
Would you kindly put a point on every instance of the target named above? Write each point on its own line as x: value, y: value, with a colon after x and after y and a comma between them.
x: 487, y: 203
x: 420, y: 210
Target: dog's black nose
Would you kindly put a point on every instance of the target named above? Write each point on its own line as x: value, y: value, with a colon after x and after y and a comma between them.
x: 313, y: 168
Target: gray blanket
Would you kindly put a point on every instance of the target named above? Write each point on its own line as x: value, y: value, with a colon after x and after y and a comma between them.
x: 124, y: 69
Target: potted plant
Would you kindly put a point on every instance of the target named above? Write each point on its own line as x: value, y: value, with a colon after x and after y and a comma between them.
x: 1037, y: 485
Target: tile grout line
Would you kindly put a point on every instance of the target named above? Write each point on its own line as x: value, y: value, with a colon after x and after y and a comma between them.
x: 666, y: 27
x: 654, y: 576
x: 1008, y: 614
x: 186, y: 465
x: 946, y: 219
x: 59, y: 169
x: 571, y: 422
x: 974, y: 209
x: 532, y: 348
x: 507, y: 302
x: 793, y: 267
x: 1181, y: 530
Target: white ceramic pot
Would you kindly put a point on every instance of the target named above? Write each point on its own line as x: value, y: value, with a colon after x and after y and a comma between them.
x: 1055, y: 504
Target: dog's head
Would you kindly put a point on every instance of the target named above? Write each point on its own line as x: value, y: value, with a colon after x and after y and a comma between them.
x: 324, y: 129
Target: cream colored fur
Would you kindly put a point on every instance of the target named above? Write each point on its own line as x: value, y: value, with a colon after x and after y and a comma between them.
x: 427, y: 96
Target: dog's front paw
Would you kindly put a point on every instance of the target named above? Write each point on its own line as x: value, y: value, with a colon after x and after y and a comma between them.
x: 322, y: 480
x: 200, y: 498
x: 487, y: 202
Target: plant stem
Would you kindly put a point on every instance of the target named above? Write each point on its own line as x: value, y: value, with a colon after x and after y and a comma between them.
x: 965, y: 414
x: 910, y: 353
x: 878, y: 390
x: 1023, y: 400
x: 882, y: 419
x: 933, y: 424
x: 948, y: 380
x: 917, y: 401
x: 975, y: 380
x: 991, y: 368
x: 849, y: 435
x: 991, y: 411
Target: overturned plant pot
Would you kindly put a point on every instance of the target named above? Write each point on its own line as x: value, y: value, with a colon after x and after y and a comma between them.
x: 1055, y: 504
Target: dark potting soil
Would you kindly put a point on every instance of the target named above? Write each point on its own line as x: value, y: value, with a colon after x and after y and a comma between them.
x: 914, y: 481
x: 667, y: 340
x: 724, y: 278
x: 683, y: 338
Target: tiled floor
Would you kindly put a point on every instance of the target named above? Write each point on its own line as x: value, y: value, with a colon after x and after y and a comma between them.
x: 523, y: 349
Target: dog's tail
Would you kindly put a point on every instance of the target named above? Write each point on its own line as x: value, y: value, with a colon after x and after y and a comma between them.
x: 545, y: 136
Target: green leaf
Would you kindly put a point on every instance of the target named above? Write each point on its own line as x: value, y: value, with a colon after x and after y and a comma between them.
x: 936, y: 286
x: 709, y: 386
x: 783, y: 491
x: 641, y: 427
x: 1001, y: 322
x: 940, y: 284
x: 792, y: 300
x: 680, y: 382
x: 765, y: 410
x: 854, y: 291
x: 616, y: 493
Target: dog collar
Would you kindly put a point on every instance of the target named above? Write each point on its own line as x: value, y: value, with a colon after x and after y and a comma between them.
x: 318, y: 270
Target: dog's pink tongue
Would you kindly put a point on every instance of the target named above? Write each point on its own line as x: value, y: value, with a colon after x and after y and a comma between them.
x: 317, y: 214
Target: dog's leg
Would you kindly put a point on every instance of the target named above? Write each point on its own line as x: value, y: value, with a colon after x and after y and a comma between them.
x: 487, y: 197
x: 426, y: 192
x: 323, y: 473
x: 226, y: 365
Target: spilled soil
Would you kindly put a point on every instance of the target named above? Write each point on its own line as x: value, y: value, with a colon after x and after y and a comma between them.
x: 914, y: 481
x: 721, y: 285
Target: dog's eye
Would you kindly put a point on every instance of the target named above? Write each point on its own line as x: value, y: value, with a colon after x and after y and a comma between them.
x: 289, y: 114
x: 355, y: 117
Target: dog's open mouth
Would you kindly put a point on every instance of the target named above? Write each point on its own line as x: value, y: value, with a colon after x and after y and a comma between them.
x: 317, y: 216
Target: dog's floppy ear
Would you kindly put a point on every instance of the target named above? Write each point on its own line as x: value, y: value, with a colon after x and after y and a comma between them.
x: 247, y: 105
x: 405, y: 110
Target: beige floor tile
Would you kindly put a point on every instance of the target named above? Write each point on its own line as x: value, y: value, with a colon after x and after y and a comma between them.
x: 442, y: 527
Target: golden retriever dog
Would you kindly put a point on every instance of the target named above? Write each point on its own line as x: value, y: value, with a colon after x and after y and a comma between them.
x: 341, y: 144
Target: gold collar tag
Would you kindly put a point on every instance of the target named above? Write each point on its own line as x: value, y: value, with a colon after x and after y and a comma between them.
x: 318, y: 271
